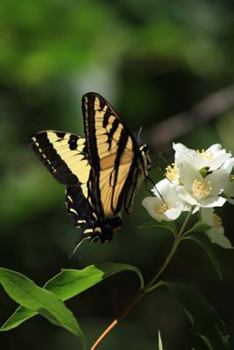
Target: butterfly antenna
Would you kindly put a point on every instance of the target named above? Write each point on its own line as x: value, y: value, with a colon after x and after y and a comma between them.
x: 147, y: 178
x: 139, y: 136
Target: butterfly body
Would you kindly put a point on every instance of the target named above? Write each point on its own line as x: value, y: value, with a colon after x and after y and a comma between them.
x: 101, y: 171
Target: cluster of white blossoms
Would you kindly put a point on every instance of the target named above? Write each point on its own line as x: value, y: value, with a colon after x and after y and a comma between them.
x: 197, y: 181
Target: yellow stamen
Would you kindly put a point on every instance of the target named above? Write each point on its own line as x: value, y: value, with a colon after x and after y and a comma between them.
x: 207, y: 155
x: 172, y: 173
x: 162, y: 209
x: 201, y: 188
x: 231, y: 178
x: 217, y: 221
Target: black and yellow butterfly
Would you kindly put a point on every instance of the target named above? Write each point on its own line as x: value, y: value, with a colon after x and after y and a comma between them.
x: 101, y: 171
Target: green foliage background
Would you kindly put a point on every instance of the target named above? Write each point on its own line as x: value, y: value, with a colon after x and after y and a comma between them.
x: 150, y: 59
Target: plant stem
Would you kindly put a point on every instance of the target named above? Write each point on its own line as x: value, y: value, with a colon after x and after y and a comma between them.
x: 185, y: 222
x: 165, y: 263
x: 148, y: 288
x: 127, y: 309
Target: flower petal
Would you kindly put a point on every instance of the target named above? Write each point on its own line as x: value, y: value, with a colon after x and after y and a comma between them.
x: 218, y: 238
x: 219, y: 180
x: 152, y: 205
x: 207, y: 216
x: 172, y: 214
x: 229, y: 192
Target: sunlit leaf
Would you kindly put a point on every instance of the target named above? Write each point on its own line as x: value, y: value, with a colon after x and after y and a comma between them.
x: 69, y: 283
x: 26, y: 293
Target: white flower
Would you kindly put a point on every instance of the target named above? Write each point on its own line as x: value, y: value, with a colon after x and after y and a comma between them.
x: 201, y: 191
x: 201, y: 176
x: 167, y: 206
x: 213, y: 158
x: 216, y: 231
x: 229, y: 189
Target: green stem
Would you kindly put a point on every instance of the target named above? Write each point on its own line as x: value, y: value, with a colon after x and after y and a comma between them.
x: 181, y: 231
x: 150, y: 286
x: 165, y: 263
x: 155, y: 286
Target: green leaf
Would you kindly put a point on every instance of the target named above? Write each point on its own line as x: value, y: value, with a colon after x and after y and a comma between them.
x: 205, y: 321
x: 69, y: 283
x: 26, y: 293
x: 207, y: 247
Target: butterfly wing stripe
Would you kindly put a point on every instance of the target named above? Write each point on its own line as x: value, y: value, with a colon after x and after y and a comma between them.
x: 110, y: 146
x: 71, y: 151
x: 106, y: 118
x: 89, y: 126
x: 63, y: 154
x: 112, y: 132
x: 102, y: 128
x: 116, y: 202
x: 117, y: 177
x: 88, y: 109
x: 79, y: 207
x: 51, y: 159
x: 82, y: 213
x: 131, y: 188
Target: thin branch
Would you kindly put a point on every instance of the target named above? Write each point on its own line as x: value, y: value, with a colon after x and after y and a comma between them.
x: 114, y: 323
x: 149, y: 287
x: 180, y: 124
x: 138, y: 296
x: 104, y: 334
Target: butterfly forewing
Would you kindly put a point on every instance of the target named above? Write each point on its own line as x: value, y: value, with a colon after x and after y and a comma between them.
x: 64, y: 155
x: 112, y: 152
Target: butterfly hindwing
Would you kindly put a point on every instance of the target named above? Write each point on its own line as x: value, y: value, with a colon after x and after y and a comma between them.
x: 81, y: 210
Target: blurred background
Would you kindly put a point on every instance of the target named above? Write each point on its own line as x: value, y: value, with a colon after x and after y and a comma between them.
x: 151, y: 60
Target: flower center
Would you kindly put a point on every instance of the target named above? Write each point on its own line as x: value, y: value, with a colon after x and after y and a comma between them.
x: 162, y: 209
x: 206, y: 155
x: 201, y: 188
x: 217, y: 221
x: 172, y: 173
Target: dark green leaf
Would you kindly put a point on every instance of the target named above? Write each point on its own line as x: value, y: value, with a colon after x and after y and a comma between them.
x: 69, y: 283
x: 26, y: 293
x: 207, y: 247
x: 204, y: 319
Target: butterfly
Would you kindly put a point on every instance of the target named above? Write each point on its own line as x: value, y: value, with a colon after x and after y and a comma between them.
x: 101, y: 171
